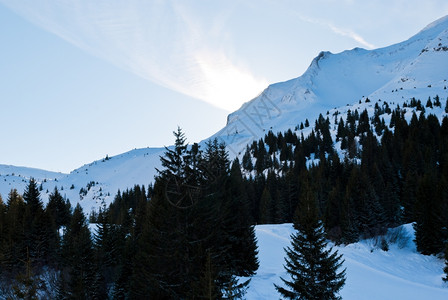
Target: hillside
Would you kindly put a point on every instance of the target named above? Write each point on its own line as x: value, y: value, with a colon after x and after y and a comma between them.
x: 333, y: 82
x: 400, y: 273
x: 370, y: 194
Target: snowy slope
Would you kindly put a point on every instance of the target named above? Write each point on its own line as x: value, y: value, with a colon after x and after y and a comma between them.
x: 333, y: 82
x: 400, y: 273
x: 117, y: 173
x: 413, y: 68
x: 18, y: 177
x: 416, y: 68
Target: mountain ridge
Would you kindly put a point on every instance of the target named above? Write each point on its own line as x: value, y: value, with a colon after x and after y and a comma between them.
x: 412, y: 68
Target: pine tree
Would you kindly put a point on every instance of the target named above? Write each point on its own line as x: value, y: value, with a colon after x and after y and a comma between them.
x: 35, y: 228
x: 429, y: 226
x: 77, y: 254
x: 313, y: 267
x: 242, y: 240
x: 105, y: 248
x: 207, y: 287
x: 14, y: 248
x: 58, y: 208
x: 266, y: 211
x: 31, y: 195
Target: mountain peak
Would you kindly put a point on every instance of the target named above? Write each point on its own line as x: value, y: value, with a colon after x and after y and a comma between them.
x: 441, y: 23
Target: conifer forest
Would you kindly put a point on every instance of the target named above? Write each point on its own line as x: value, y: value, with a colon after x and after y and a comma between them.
x: 190, y: 233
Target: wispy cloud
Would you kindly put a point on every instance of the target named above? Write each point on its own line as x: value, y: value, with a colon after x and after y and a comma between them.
x: 161, y: 41
x: 338, y: 30
x: 352, y: 35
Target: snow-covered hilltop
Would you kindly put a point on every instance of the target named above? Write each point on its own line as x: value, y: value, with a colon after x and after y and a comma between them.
x: 92, y: 184
x: 413, y: 68
x: 416, y: 68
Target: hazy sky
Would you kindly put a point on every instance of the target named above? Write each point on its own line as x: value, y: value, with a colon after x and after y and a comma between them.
x: 82, y: 79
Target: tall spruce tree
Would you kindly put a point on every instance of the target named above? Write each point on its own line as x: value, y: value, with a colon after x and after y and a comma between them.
x: 77, y: 251
x: 58, y: 208
x: 429, y: 225
x: 35, y: 227
x: 312, y: 266
x: 241, y: 234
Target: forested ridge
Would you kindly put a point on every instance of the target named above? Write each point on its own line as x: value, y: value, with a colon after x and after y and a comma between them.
x: 190, y: 234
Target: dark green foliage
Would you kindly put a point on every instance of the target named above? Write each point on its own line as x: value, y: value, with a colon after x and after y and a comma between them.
x: 312, y: 267
x: 266, y: 211
x: 243, y: 250
x: 31, y: 196
x: 191, y: 234
x: 429, y: 103
x: 197, y: 235
x: 58, y: 208
x: 77, y: 250
x: 429, y: 227
x: 40, y: 233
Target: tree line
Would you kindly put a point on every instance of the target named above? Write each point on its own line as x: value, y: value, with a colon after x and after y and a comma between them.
x: 191, y: 233
x: 367, y: 177
x: 188, y: 236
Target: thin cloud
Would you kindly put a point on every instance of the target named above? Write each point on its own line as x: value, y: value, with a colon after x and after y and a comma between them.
x: 161, y: 41
x: 352, y: 35
x: 338, y: 30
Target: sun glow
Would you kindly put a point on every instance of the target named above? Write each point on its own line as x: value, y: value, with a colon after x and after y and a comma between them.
x: 225, y: 85
x: 162, y: 41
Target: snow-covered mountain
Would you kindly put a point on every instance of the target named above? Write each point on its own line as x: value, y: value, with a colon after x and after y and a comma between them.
x: 416, y: 68
x: 100, y: 179
x: 413, y: 68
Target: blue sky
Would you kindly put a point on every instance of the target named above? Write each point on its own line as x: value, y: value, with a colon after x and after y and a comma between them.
x: 82, y: 79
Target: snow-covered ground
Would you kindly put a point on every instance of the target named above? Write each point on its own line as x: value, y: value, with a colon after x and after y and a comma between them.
x: 400, y: 273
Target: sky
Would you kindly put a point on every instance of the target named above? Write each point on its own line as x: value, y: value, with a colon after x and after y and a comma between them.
x: 80, y: 80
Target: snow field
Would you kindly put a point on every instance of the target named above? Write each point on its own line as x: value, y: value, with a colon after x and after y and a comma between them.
x: 400, y: 273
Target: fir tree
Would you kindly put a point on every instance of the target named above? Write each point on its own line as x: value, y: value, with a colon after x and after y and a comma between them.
x: 35, y: 227
x: 78, y: 257
x: 242, y: 240
x: 57, y: 207
x: 429, y: 226
x: 313, y: 267
x: 266, y: 211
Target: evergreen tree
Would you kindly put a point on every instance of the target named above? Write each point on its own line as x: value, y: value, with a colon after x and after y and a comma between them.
x: 429, y: 103
x: 59, y: 210
x: 105, y: 248
x: 242, y: 241
x: 77, y: 251
x: 14, y: 247
x: 266, y: 211
x: 35, y: 227
x: 313, y: 267
x: 31, y: 195
x: 429, y: 226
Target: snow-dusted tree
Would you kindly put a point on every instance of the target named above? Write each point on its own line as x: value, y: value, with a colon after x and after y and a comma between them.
x: 312, y: 266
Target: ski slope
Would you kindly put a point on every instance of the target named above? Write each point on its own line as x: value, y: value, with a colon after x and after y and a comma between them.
x: 400, y: 273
